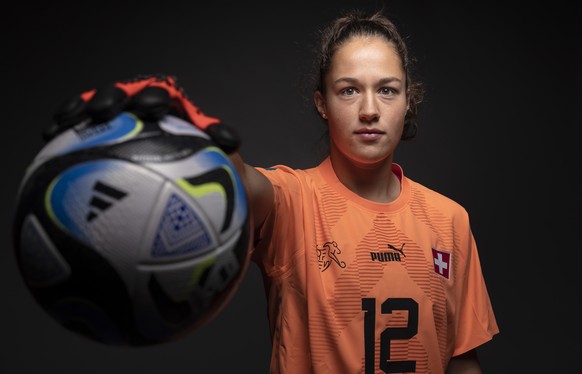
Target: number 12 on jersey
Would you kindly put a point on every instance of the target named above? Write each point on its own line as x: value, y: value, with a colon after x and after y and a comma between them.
x: 390, y: 333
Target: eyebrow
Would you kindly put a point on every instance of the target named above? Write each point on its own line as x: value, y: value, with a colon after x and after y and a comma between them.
x: 354, y: 80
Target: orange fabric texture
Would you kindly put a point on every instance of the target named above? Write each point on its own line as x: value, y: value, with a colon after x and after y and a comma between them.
x: 355, y: 286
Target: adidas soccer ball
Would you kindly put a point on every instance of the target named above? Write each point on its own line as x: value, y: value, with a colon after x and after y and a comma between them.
x: 132, y: 232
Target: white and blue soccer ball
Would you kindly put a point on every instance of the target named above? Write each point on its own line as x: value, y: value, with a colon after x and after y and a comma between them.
x: 131, y: 232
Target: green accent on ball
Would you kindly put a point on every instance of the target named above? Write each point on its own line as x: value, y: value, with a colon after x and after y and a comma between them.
x: 218, y: 150
x: 202, y: 189
x: 48, y: 206
x: 137, y: 129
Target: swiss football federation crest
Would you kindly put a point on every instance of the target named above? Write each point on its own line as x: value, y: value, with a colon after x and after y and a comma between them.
x: 442, y: 262
x: 328, y: 254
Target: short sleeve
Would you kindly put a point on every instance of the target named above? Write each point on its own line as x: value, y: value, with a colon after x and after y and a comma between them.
x: 476, y: 323
x: 281, y: 235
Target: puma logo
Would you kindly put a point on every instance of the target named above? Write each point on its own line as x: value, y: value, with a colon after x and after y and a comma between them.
x: 400, y: 250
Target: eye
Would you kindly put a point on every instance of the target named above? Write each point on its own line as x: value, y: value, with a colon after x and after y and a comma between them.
x: 348, y: 91
x: 388, y: 91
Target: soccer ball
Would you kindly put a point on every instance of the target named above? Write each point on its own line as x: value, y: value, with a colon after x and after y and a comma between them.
x: 131, y: 232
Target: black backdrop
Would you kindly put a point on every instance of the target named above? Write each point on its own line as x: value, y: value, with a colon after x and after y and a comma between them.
x: 498, y: 134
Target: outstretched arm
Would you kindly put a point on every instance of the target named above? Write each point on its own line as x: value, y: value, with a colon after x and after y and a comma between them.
x: 259, y: 190
x: 467, y: 363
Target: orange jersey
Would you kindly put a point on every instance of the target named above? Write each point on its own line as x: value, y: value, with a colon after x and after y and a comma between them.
x: 355, y: 286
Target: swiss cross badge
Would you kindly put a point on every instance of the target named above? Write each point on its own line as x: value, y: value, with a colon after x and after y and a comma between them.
x: 442, y: 262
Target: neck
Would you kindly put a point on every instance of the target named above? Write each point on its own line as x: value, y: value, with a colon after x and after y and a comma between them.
x: 374, y: 181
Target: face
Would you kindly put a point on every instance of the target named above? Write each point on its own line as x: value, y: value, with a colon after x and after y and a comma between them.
x: 365, y: 101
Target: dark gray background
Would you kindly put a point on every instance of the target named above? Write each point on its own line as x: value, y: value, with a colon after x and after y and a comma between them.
x: 499, y: 134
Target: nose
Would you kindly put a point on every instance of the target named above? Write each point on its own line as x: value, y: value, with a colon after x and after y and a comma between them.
x: 369, y: 111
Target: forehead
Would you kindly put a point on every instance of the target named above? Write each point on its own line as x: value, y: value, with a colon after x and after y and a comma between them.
x: 367, y: 54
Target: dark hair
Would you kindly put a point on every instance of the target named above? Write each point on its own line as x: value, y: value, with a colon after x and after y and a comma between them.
x: 355, y: 23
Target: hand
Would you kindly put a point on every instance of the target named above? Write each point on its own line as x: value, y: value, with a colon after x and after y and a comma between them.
x: 149, y: 97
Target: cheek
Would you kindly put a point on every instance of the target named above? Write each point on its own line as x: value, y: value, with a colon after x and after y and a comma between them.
x: 339, y: 136
x: 397, y: 121
x: 335, y: 131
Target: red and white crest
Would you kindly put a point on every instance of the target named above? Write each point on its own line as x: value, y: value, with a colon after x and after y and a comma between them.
x: 442, y: 262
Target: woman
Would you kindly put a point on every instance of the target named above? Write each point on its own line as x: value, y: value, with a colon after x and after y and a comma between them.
x: 365, y: 269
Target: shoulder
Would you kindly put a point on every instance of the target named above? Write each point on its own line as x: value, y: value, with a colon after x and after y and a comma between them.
x: 434, y: 201
x: 283, y: 174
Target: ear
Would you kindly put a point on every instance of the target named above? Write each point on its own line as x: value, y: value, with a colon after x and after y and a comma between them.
x: 320, y: 103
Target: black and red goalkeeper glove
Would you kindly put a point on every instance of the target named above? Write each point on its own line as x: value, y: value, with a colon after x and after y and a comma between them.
x: 149, y: 97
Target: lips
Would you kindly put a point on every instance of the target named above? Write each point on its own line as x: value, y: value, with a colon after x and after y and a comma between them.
x: 368, y: 133
x: 370, y: 130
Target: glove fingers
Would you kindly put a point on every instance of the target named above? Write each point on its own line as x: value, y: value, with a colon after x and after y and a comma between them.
x: 149, y: 98
x: 224, y: 136
x: 69, y: 110
x: 151, y: 103
x: 196, y: 116
x: 179, y: 103
x: 106, y: 103
x: 135, y: 85
x: 68, y: 114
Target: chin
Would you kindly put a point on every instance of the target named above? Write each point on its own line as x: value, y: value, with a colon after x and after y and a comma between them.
x: 369, y: 161
x: 363, y: 157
